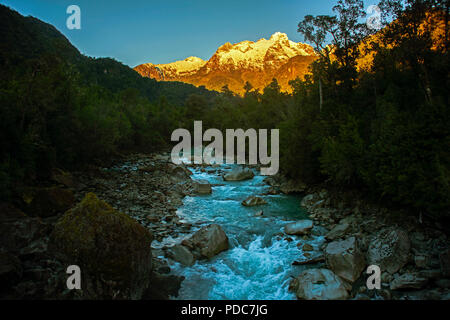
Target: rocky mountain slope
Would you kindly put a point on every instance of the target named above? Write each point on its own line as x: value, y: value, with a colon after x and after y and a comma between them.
x: 235, y: 64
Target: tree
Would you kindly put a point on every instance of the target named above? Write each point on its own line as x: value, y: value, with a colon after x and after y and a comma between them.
x: 336, y: 39
x: 315, y: 31
x: 419, y: 29
x: 227, y: 92
x: 196, y: 106
x: 248, y: 87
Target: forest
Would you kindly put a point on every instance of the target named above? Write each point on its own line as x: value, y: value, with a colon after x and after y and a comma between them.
x: 382, y: 129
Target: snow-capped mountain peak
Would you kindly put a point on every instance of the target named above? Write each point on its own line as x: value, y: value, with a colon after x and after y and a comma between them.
x: 234, y: 64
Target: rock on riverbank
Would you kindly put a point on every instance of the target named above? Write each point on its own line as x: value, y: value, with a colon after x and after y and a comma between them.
x: 147, y: 188
x: 112, y: 250
x: 319, y: 284
x: 407, y: 251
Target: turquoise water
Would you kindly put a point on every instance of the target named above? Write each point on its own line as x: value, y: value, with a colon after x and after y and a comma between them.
x: 258, y: 263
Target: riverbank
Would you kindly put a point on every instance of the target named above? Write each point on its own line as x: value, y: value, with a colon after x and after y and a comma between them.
x: 173, y: 203
x: 150, y: 189
x: 146, y: 187
x: 413, y: 254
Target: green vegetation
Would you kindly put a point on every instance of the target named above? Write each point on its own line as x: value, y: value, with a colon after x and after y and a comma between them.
x: 383, y: 130
x: 111, y: 247
x: 60, y: 108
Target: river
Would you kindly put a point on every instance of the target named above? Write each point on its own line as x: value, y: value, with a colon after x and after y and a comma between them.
x: 258, y: 264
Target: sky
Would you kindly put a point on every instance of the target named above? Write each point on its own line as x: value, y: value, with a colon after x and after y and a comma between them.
x: 162, y: 31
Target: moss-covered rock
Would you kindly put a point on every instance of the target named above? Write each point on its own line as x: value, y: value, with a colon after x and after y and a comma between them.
x: 112, y: 250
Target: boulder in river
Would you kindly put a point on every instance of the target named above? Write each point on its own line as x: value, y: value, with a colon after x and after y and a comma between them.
x: 320, y: 284
x: 112, y: 249
x: 181, y: 254
x: 253, y: 201
x: 207, y: 242
x: 239, y: 174
x: 300, y: 227
x: 203, y: 187
x: 389, y: 249
x: 345, y: 259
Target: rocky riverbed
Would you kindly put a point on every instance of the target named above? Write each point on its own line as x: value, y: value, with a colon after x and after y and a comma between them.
x: 320, y: 250
x: 413, y: 255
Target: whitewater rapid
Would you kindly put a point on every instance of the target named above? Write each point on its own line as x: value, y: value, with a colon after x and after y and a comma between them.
x: 258, y: 264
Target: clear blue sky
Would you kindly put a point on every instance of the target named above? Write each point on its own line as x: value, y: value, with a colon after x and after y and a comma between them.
x: 162, y: 31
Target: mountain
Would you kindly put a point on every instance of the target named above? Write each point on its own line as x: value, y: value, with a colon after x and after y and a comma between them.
x: 178, y: 69
x: 235, y: 64
x: 27, y: 38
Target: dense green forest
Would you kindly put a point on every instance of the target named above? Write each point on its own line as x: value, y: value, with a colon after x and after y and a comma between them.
x: 382, y: 130
x: 61, y: 108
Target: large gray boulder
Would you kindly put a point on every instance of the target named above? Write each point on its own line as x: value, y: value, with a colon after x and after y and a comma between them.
x: 389, y: 249
x: 207, y: 242
x: 181, y: 254
x: 239, y: 174
x: 345, y: 259
x: 300, y: 227
x: 320, y: 284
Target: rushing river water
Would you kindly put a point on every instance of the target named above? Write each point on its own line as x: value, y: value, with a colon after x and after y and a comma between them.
x: 258, y: 264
